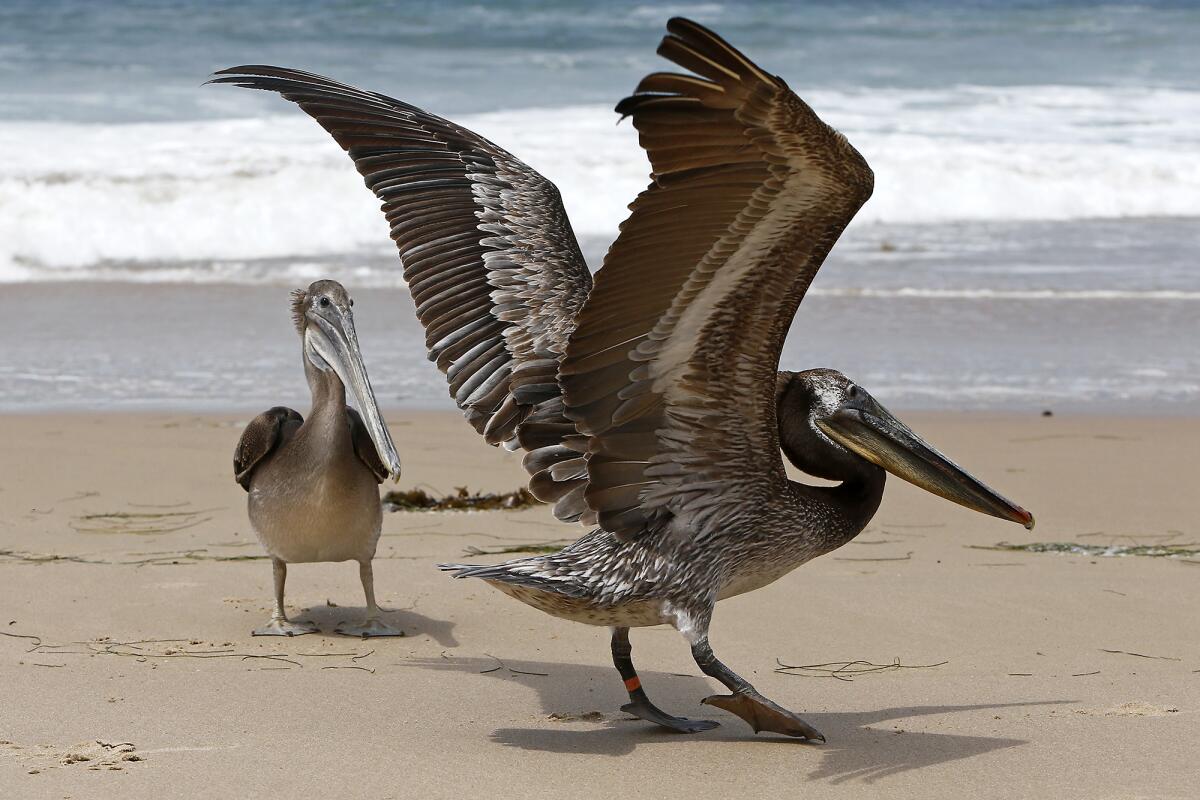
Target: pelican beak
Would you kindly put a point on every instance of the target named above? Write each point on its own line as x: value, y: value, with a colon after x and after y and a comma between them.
x: 331, y: 334
x: 871, y: 431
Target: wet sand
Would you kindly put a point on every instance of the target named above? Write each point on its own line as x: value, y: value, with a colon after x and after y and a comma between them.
x: 1021, y: 674
x: 970, y: 348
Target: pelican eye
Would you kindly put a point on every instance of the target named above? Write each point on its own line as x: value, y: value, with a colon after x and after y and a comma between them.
x: 324, y: 302
x: 852, y: 392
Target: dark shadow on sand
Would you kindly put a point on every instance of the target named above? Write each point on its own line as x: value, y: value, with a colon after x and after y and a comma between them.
x: 407, y: 620
x: 856, y: 751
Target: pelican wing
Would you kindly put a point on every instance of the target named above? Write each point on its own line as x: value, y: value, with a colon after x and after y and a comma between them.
x: 261, y: 437
x: 364, y: 446
x: 671, y: 371
x: 489, y: 256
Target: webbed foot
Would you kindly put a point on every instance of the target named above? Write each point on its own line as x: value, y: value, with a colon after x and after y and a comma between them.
x: 652, y: 713
x: 285, y: 627
x: 368, y: 629
x: 764, y: 715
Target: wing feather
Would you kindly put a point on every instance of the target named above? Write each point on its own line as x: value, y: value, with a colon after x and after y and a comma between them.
x: 261, y: 437
x: 671, y: 370
x: 489, y: 255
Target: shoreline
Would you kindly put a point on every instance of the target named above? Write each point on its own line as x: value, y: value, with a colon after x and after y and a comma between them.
x: 167, y: 347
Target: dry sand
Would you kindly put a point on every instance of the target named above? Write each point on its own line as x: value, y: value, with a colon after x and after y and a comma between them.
x: 148, y: 684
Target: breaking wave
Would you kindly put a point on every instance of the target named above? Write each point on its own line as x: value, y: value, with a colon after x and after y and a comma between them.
x: 250, y: 199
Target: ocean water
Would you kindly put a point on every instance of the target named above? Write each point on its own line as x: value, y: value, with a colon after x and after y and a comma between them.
x: 1033, y: 239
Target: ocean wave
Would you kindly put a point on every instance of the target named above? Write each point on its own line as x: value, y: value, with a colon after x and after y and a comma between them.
x: 1007, y: 294
x: 87, y: 199
x: 363, y: 272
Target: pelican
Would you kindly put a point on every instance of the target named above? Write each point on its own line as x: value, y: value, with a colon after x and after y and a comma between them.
x: 313, y: 484
x: 650, y: 405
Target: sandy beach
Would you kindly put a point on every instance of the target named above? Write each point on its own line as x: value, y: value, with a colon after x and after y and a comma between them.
x: 128, y: 668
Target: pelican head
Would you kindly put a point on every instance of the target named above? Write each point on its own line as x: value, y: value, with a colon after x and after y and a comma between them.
x: 324, y: 316
x: 829, y: 426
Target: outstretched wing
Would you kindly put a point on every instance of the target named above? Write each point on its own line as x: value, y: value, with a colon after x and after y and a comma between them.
x: 264, y: 433
x: 672, y: 368
x: 489, y: 257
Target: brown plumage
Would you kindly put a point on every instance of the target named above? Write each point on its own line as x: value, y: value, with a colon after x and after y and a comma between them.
x: 671, y: 372
x: 261, y: 437
x: 655, y: 407
x: 313, y: 484
x: 275, y: 426
x: 489, y: 257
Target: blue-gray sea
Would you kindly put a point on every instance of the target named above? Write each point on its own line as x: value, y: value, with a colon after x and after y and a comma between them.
x: 1032, y: 242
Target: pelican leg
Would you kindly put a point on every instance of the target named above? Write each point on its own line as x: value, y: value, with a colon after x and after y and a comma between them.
x: 280, y: 625
x: 746, y: 702
x: 639, y: 704
x: 372, y: 625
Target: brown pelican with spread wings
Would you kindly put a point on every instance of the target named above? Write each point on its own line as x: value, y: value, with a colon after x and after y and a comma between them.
x: 649, y: 405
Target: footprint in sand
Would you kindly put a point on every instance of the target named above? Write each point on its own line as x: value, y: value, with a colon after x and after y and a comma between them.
x: 94, y: 755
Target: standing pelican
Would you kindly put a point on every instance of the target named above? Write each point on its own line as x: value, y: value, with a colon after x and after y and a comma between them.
x: 650, y: 404
x: 314, y: 484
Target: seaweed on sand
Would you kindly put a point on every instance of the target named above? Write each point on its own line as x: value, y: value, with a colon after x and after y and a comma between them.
x: 1099, y: 550
x: 417, y: 499
x: 141, y: 522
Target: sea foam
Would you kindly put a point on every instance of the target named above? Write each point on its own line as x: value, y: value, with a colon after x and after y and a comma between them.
x: 204, y: 201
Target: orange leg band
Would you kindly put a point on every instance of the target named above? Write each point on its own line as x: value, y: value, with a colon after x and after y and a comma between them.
x: 633, y: 684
